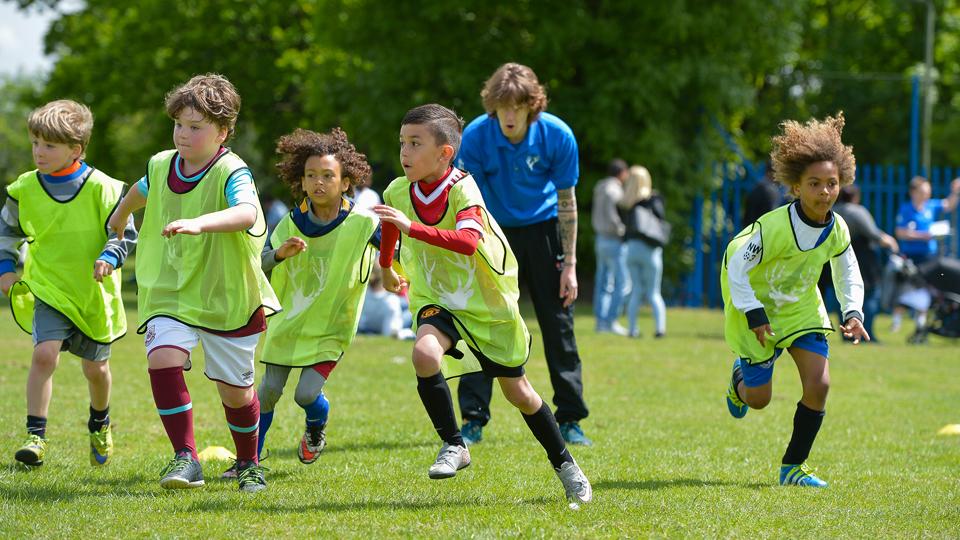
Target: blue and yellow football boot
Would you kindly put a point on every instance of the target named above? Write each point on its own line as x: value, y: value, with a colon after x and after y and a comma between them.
x: 101, y: 446
x: 799, y: 475
x: 32, y: 451
x: 737, y: 408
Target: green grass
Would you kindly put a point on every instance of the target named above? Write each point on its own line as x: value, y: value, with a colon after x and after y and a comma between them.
x: 668, y: 460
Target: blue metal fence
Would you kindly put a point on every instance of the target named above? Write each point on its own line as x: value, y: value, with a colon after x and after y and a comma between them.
x: 716, y: 217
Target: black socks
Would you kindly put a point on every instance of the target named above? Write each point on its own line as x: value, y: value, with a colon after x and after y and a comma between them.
x: 435, y: 395
x: 37, y: 425
x: 98, y: 419
x: 545, y: 429
x: 806, y: 424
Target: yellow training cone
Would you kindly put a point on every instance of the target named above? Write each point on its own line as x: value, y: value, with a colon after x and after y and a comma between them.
x: 216, y: 453
x: 950, y: 429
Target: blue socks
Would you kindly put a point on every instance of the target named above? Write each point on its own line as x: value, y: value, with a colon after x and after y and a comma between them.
x: 266, y: 418
x: 317, y: 411
x: 316, y: 417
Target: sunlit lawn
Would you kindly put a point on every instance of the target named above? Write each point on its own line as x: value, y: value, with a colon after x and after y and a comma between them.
x: 668, y: 459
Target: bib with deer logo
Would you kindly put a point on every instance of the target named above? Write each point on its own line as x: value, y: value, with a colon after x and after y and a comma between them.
x: 785, y: 282
x: 321, y: 291
x: 480, y: 290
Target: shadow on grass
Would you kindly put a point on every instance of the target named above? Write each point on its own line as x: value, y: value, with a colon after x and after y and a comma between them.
x: 652, y: 484
x: 54, y: 493
x: 41, y: 494
x: 288, y: 452
x: 219, y: 506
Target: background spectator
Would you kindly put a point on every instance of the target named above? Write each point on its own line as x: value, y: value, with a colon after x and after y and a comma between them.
x: 865, y: 238
x: 764, y: 197
x: 647, y: 231
x: 610, y: 279
x: 914, y: 219
x: 383, y: 311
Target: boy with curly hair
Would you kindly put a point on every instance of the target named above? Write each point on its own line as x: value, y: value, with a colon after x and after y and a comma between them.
x: 199, y: 276
x: 769, y: 284
x: 321, y: 254
x: 69, y: 297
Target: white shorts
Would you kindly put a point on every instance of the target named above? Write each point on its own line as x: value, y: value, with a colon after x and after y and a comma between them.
x: 228, y: 360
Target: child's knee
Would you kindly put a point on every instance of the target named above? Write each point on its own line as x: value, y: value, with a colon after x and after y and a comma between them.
x: 235, y: 397
x: 426, y: 358
x: 268, y: 395
x: 818, y: 388
x: 521, y: 395
x: 526, y: 402
x: 46, y: 355
x: 96, y: 370
x: 306, y: 396
x: 309, y: 387
x: 757, y: 398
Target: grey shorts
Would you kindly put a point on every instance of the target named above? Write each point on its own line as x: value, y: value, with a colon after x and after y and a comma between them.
x: 49, y: 324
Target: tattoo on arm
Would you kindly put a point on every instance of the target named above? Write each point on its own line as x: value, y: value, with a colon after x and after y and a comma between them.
x: 567, y: 220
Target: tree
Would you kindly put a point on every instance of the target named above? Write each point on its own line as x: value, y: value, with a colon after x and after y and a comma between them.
x: 639, y: 80
x: 15, y: 157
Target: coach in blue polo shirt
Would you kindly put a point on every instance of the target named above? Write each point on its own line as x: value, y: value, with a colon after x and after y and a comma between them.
x: 525, y: 162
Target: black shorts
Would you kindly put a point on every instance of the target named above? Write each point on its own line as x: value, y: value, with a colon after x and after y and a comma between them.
x: 443, y: 320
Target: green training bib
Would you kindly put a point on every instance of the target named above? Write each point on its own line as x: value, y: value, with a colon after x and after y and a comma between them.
x: 480, y: 291
x: 321, y: 290
x: 785, y: 282
x: 210, y: 280
x: 64, y: 240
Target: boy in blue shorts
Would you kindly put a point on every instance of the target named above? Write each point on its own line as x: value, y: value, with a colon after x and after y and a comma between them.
x: 61, y: 208
x: 463, y: 286
x: 199, y: 276
x: 769, y: 284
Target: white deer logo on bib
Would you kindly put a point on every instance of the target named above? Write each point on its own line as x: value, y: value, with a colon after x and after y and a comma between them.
x: 309, y: 278
x: 457, y: 297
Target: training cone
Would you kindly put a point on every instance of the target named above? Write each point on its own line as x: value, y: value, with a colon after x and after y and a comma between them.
x: 950, y: 429
x: 216, y: 453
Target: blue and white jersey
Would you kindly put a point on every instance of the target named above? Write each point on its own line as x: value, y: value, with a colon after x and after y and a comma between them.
x: 908, y: 217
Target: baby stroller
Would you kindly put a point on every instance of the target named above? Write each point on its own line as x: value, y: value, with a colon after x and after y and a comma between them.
x: 903, y: 285
x: 942, y: 276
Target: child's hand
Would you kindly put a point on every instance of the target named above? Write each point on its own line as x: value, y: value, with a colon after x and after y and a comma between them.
x: 117, y: 223
x: 101, y: 269
x: 854, y: 329
x: 392, y: 281
x: 394, y: 216
x: 181, y: 226
x: 762, y: 332
x: 7, y: 280
x: 292, y: 247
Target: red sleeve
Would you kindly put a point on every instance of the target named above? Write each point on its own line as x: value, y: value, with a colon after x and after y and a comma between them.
x: 472, y: 213
x: 463, y: 241
x: 389, y: 234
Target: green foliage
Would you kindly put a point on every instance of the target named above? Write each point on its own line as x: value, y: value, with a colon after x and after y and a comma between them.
x: 668, y: 460
x: 15, y: 157
x: 122, y: 58
x: 636, y: 80
x: 859, y: 57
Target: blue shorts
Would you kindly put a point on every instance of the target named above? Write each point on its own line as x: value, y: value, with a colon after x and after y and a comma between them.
x: 760, y: 374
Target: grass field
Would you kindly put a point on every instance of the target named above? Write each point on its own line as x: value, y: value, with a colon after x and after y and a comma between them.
x: 668, y: 460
